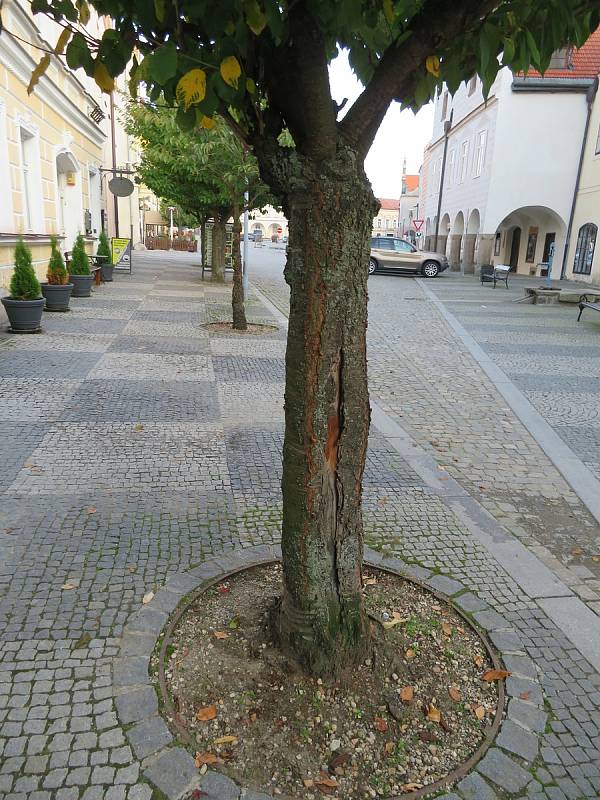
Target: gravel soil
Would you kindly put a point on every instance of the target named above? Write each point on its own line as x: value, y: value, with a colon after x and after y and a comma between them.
x: 253, y: 329
x: 411, y: 714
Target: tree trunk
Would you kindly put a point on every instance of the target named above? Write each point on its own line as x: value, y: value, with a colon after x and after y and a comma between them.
x: 322, y: 621
x: 237, y: 293
x: 203, y: 241
x: 219, y: 239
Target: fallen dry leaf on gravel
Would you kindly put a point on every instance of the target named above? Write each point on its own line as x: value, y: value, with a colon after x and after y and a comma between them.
x: 479, y: 712
x: 446, y: 629
x: 434, y: 714
x: 205, y: 758
x: 406, y: 694
x: 395, y: 620
x: 226, y: 740
x: 206, y: 714
x: 495, y: 675
x: 454, y: 693
x: 380, y: 724
x: 220, y: 635
x: 147, y: 597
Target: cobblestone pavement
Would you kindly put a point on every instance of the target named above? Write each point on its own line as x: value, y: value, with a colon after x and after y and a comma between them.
x: 136, y: 445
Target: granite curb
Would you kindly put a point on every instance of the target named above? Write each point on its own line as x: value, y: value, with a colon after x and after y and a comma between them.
x: 505, y: 767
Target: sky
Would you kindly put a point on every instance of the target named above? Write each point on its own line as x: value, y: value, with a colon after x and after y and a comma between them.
x: 402, y: 133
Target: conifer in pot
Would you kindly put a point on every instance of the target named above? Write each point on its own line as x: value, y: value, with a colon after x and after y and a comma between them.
x: 25, y: 303
x: 57, y: 290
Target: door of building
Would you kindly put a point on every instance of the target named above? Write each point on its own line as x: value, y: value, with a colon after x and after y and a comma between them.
x: 549, y: 240
x: 515, y: 246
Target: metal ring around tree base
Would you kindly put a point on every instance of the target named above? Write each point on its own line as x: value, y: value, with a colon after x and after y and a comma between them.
x: 443, y: 783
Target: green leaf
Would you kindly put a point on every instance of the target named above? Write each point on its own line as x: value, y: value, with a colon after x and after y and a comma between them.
x: 186, y: 118
x: 160, y: 9
x: 162, y: 63
x: 77, y: 53
x: 509, y: 51
x: 533, y: 49
x: 255, y: 17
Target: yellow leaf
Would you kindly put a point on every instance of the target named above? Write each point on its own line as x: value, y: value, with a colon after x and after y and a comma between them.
x: 230, y: 71
x: 479, y: 712
x: 205, y: 758
x: 84, y: 12
x: 432, y: 65
x: 102, y: 77
x: 434, y: 714
x: 446, y: 629
x: 396, y: 619
x: 226, y: 740
x: 191, y: 88
x: 38, y: 72
x: 207, y: 122
x: 67, y: 586
x: 62, y: 41
x: 388, y: 10
x: 250, y: 86
x: 220, y: 635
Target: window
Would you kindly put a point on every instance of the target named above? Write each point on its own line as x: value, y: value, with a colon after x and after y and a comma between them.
x: 27, y: 166
x: 450, y: 167
x: 402, y: 247
x: 444, y: 105
x: 561, y: 59
x: 6, y: 209
x: 584, y: 252
x: 472, y: 85
x: 438, y: 168
x: 385, y: 244
x: 479, y: 157
x: 464, y: 160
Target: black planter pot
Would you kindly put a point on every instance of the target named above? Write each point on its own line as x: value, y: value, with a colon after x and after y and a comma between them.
x: 57, y: 296
x: 25, y: 316
x: 82, y: 285
x: 106, y: 271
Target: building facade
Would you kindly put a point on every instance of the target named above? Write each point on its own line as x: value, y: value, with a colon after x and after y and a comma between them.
x: 56, y: 146
x: 501, y: 172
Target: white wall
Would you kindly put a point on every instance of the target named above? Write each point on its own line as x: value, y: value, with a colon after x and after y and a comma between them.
x: 536, y: 153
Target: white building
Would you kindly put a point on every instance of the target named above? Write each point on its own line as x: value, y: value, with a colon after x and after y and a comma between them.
x: 505, y: 190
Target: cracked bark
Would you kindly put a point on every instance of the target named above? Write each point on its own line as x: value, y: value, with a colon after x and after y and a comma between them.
x: 237, y: 292
x: 321, y: 620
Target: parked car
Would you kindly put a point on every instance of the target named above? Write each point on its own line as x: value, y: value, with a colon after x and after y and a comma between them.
x: 389, y: 254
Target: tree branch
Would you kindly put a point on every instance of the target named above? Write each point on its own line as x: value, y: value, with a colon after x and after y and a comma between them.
x: 432, y: 30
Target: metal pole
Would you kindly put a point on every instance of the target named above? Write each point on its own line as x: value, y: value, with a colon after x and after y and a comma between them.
x: 447, y: 126
x: 114, y: 161
x: 245, y: 250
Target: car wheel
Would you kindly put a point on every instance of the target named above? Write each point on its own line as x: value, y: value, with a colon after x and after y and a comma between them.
x: 372, y: 266
x: 431, y: 269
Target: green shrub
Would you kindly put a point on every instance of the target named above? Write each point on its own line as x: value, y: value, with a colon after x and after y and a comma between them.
x: 80, y: 263
x: 57, y: 275
x: 24, y: 284
x: 104, y: 248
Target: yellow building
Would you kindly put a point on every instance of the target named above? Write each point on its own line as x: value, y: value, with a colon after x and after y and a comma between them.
x: 52, y: 145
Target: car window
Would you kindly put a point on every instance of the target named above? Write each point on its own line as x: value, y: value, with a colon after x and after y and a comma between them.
x: 385, y: 244
x: 402, y: 247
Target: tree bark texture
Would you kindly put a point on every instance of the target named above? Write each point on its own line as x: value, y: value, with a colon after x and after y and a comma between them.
x: 330, y: 208
x: 203, y: 241
x: 237, y: 292
x: 219, y: 239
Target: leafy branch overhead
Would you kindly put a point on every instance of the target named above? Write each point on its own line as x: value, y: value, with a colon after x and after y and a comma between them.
x: 259, y: 63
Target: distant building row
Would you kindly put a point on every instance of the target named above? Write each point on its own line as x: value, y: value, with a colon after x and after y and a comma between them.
x: 55, y: 147
x: 515, y: 179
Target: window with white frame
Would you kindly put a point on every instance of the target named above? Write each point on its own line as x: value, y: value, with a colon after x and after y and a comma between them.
x: 30, y: 179
x: 464, y: 160
x: 479, y: 156
x: 439, y: 173
x: 450, y: 167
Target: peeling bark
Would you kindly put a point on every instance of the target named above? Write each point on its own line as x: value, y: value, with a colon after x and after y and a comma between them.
x: 237, y: 292
x: 330, y: 207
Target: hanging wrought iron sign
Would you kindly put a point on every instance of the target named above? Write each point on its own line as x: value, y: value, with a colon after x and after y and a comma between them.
x: 121, y: 187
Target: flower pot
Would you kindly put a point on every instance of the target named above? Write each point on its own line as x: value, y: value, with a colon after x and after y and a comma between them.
x: 82, y: 285
x: 25, y: 316
x: 106, y: 271
x: 57, y: 296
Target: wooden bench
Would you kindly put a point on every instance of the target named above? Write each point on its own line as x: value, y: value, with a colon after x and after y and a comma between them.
x: 585, y: 302
x: 490, y: 273
x: 94, y: 268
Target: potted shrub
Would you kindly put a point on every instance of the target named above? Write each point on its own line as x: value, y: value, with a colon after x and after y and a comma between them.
x: 103, y: 258
x: 25, y: 303
x: 79, y: 270
x: 57, y: 290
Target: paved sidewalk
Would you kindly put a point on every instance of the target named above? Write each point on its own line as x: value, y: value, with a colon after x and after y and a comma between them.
x: 136, y: 445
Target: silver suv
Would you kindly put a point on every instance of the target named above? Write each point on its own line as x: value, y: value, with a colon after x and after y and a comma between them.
x: 397, y: 255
